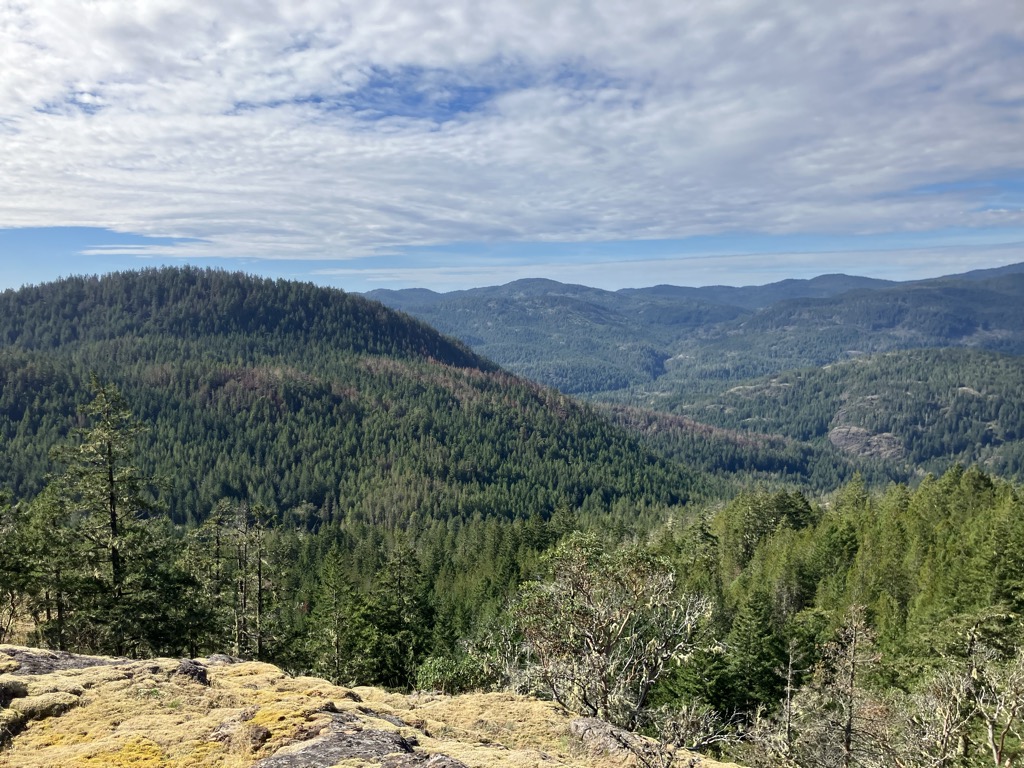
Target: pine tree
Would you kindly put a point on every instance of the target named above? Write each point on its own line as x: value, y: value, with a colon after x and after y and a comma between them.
x: 96, y: 509
x: 16, y: 565
x: 247, y: 536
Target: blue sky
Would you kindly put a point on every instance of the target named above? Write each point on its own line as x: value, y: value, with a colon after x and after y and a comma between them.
x: 454, y: 143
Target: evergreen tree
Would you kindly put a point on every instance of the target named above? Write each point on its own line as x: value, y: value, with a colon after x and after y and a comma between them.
x: 247, y: 536
x: 96, y: 511
x: 754, y: 655
x: 17, y: 565
x: 340, y: 636
x: 207, y: 557
x: 401, y: 615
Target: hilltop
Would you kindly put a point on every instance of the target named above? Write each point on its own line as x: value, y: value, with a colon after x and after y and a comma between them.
x: 60, y: 710
x: 301, y: 398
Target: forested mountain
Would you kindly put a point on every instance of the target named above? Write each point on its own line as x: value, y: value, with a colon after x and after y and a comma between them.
x: 702, y: 353
x: 225, y: 313
x: 574, y: 338
x: 584, y: 340
x: 758, y: 296
x: 797, y: 333
x: 902, y: 411
x: 890, y: 417
x: 303, y: 399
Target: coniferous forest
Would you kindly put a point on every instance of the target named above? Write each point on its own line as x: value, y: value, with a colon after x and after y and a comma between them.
x: 196, y: 462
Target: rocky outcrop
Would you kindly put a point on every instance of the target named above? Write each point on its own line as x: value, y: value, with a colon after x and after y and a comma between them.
x: 342, y: 739
x: 26, y: 691
x: 60, y: 709
x: 604, y: 740
x: 858, y: 441
x: 36, y: 661
x: 193, y: 670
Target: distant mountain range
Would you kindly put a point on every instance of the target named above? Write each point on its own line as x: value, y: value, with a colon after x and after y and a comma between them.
x: 589, y: 341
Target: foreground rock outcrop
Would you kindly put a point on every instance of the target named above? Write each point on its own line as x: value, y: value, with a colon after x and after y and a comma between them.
x: 60, y: 710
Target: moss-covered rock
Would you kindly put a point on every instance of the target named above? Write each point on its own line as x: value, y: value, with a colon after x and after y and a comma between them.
x: 45, y: 705
x: 11, y: 723
x: 53, y: 684
x: 140, y: 714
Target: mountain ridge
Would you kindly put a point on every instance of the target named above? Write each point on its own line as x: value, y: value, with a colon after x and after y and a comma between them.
x: 592, y: 342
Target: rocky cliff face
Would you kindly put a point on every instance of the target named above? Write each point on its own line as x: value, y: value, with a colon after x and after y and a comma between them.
x: 60, y: 710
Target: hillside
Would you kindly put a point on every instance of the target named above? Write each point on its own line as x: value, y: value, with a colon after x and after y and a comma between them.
x: 304, y: 399
x: 588, y: 341
x: 948, y: 312
x: 905, y: 411
x: 59, y: 710
x: 571, y: 337
x: 222, y: 311
x: 733, y: 457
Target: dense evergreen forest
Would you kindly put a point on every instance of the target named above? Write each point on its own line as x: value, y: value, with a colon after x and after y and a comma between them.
x: 809, y: 379
x: 913, y: 409
x: 889, y: 417
x: 635, y: 342
x: 732, y: 458
x: 306, y: 400
x: 396, y: 511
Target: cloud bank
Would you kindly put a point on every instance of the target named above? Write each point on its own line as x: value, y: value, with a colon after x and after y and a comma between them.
x: 345, y: 130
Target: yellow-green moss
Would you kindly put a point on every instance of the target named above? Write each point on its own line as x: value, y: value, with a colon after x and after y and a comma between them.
x: 45, y: 705
x: 10, y: 721
x: 137, y: 752
x: 139, y: 715
x: 54, y: 684
x: 12, y: 687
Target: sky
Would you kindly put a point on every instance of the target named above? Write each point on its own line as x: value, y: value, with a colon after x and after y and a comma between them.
x: 456, y: 143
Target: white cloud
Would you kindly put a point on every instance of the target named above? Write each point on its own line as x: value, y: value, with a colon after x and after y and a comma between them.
x: 247, y: 123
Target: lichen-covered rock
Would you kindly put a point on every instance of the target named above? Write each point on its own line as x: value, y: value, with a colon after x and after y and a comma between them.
x: 37, y: 686
x: 420, y: 760
x: 383, y: 716
x: 7, y: 663
x: 215, y: 659
x: 339, y: 741
x: 240, y: 734
x: 604, y: 739
x: 193, y: 670
x: 45, y: 705
x: 141, y: 714
x: 36, y: 661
